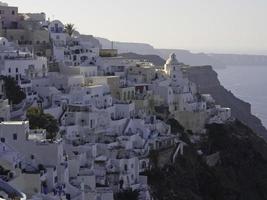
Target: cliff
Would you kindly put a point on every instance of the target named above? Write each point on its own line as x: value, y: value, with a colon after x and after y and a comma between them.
x: 190, y: 58
x: 214, y: 59
x: 144, y: 49
x: 156, y: 60
x: 125, y: 47
x: 237, y: 172
x: 207, y: 80
x: 238, y: 59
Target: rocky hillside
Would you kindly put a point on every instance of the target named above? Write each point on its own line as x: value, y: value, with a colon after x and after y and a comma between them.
x: 186, y: 56
x: 237, y: 172
x: 126, y: 47
x: 147, y: 49
x: 156, y: 60
x: 207, y: 80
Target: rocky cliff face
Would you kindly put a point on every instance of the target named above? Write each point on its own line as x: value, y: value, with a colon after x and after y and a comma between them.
x: 207, y: 80
x: 237, y: 172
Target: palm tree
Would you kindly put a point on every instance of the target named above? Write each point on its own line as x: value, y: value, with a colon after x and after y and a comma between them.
x: 69, y: 29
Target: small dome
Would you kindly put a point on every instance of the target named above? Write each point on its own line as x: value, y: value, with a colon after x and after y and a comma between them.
x: 172, y: 60
x: 76, y: 34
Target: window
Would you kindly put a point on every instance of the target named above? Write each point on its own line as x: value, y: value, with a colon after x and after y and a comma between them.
x: 55, y: 179
x: 132, y: 94
x: 17, y: 70
x: 32, y: 157
x: 125, y: 167
x: 160, y: 144
x: 3, y: 140
x: 9, y: 70
x: 143, y: 165
x: 124, y: 96
x: 91, y: 123
x: 13, y: 12
x: 15, y: 136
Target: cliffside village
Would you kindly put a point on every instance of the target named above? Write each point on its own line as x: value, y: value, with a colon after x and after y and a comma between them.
x: 111, y: 111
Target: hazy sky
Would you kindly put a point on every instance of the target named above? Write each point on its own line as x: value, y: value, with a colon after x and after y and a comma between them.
x: 211, y: 25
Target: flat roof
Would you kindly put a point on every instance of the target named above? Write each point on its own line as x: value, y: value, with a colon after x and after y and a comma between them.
x: 14, y: 122
x: 95, y: 77
x: 94, y: 86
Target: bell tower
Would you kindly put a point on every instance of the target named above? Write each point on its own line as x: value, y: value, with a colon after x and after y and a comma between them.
x: 173, y: 68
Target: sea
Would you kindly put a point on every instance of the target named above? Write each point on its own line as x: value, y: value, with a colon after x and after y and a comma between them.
x: 248, y: 83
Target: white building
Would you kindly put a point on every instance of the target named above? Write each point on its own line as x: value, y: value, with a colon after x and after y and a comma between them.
x: 20, y: 64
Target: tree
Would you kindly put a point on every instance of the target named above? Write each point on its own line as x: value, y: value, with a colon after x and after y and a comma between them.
x: 69, y: 29
x: 40, y: 120
x: 13, y: 91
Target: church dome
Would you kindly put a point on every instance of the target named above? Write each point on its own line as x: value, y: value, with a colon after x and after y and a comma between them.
x: 172, y: 60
